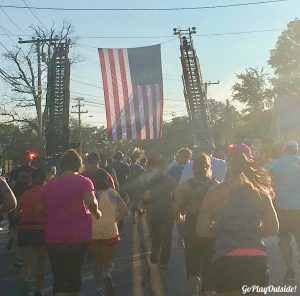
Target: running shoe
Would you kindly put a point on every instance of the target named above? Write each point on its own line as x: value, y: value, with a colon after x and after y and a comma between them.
x: 180, y: 244
x: 18, y: 264
x: 193, y: 283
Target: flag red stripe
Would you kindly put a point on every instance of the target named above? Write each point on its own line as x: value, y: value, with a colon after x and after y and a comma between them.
x: 115, y: 93
x: 161, y: 109
x: 154, y: 111
x: 106, y: 94
x: 146, y: 111
x: 137, y: 112
x: 125, y: 93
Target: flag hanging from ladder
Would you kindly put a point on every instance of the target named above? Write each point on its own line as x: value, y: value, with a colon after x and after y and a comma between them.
x: 133, y: 92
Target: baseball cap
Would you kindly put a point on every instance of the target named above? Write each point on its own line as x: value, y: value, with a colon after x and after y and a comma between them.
x: 242, y: 148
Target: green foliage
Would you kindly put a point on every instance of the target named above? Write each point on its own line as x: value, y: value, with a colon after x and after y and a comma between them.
x: 285, y: 60
x: 252, y: 91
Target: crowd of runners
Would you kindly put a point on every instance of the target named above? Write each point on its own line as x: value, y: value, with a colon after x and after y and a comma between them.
x: 221, y: 209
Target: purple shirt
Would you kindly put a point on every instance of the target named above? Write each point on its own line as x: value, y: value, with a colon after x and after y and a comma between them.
x: 69, y: 220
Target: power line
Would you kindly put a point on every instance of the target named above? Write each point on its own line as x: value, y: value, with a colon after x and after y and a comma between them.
x: 11, y: 20
x: 34, y: 15
x: 83, y: 94
x: 4, y: 47
x: 153, y: 37
x: 97, y: 86
x: 145, y: 9
x: 168, y: 36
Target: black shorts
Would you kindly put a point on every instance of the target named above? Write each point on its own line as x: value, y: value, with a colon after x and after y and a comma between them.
x: 231, y: 273
x: 31, y: 238
x: 66, y: 262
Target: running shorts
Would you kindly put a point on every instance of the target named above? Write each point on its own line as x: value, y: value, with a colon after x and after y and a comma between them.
x: 230, y: 273
x: 106, y: 242
x: 31, y: 238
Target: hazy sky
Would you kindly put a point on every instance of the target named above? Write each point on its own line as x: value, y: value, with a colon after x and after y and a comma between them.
x: 221, y: 56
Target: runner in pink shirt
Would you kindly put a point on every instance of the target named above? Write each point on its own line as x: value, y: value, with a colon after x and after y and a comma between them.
x: 69, y: 200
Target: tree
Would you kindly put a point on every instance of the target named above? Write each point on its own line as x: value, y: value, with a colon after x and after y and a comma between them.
x: 226, y: 120
x: 253, y: 91
x: 285, y: 60
x: 22, y: 77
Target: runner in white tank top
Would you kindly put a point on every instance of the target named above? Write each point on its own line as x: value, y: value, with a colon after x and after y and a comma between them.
x: 105, y: 234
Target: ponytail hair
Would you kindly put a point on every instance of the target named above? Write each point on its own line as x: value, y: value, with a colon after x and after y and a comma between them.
x: 250, y: 174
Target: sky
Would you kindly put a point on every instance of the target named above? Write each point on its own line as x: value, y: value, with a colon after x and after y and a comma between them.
x: 221, y: 55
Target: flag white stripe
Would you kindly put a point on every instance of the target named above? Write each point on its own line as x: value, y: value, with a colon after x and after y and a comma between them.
x: 130, y: 94
x: 111, y: 95
x: 120, y: 92
x: 141, y: 109
x: 150, y: 111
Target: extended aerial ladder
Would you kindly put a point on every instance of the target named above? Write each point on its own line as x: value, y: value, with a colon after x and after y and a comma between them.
x: 58, y: 100
x: 195, y: 91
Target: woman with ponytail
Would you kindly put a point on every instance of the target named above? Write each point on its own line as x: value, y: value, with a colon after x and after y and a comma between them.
x: 238, y: 213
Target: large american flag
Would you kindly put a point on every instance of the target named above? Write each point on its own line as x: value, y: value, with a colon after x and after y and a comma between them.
x: 133, y: 92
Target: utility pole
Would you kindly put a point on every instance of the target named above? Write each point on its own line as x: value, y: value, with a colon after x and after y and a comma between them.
x: 207, y: 84
x: 79, y: 112
x: 38, y: 42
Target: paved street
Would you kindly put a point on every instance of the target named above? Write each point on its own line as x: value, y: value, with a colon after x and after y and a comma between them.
x: 133, y: 275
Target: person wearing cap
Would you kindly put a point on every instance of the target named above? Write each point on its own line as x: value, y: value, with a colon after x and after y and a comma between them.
x: 285, y: 173
x: 219, y: 166
x: 237, y: 214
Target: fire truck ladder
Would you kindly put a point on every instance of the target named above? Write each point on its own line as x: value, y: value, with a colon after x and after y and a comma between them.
x: 195, y: 92
x: 58, y: 100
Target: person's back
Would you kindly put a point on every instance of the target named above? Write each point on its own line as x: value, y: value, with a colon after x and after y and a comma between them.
x: 238, y: 221
x: 31, y: 217
x: 285, y: 174
x: 106, y: 228
x: 63, y: 196
x: 160, y: 187
x: 241, y: 212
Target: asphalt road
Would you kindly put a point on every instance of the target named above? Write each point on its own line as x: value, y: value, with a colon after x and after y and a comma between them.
x: 133, y: 275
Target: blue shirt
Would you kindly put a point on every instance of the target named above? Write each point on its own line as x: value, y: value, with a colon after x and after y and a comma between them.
x: 285, y: 174
x: 176, y: 171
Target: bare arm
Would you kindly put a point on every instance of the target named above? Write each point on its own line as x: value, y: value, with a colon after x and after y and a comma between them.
x: 92, y: 203
x: 122, y: 210
x: 270, y: 223
x: 9, y: 202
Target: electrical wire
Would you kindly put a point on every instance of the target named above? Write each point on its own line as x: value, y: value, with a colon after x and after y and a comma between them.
x: 34, y: 15
x: 12, y: 21
x: 145, y: 9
